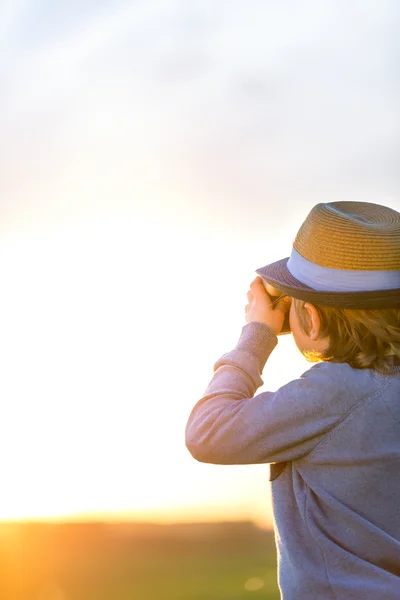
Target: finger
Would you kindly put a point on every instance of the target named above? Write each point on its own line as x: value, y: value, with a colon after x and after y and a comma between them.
x: 257, y: 286
x: 255, y: 282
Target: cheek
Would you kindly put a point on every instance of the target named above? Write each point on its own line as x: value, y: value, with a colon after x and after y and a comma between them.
x: 292, y: 318
x: 295, y: 328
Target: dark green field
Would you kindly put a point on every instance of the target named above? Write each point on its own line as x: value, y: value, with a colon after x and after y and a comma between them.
x: 99, y: 561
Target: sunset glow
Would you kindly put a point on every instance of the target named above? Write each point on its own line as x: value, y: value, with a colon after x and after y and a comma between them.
x: 100, y: 424
x: 149, y: 164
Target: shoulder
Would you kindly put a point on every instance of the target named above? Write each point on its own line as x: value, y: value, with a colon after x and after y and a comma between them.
x: 341, y: 381
x: 339, y: 373
x: 336, y: 386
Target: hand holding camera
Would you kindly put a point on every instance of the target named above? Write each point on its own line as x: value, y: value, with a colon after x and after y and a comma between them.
x: 268, y: 305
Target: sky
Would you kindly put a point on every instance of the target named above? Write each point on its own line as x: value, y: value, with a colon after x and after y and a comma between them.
x: 153, y: 155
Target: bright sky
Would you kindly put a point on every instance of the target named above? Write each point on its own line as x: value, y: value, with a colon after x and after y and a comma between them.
x: 153, y: 155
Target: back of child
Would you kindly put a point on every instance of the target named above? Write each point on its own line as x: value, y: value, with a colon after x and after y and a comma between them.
x: 332, y: 436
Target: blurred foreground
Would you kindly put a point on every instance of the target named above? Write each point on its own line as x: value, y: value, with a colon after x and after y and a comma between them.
x: 132, y: 561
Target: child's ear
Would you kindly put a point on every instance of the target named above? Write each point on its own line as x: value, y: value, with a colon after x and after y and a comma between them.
x: 314, y: 321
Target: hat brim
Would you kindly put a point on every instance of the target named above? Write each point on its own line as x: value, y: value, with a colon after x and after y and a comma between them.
x: 279, y: 276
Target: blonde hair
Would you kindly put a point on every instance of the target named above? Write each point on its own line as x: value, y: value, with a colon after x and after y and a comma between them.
x: 363, y: 338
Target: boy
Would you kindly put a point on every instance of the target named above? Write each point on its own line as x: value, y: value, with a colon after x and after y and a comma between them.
x: 333, y: 435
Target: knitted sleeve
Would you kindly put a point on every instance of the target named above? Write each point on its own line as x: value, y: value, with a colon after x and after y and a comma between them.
x: 232, y: 425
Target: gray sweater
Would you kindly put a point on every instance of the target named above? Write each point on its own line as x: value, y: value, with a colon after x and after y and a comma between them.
x: 333, y: 438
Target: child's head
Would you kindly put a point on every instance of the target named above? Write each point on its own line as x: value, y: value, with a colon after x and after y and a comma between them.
x: 363, y: 338
x: 344, y: 278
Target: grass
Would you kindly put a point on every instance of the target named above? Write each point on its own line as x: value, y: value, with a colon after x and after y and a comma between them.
x: 127, y: 561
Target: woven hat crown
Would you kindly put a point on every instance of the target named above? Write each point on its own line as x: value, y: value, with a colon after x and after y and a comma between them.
x: 351, y: 236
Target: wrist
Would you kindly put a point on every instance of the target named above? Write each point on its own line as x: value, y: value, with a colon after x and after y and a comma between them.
x: 259, y: 339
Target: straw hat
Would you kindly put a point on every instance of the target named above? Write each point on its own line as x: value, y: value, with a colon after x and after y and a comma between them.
x: 345, y: 254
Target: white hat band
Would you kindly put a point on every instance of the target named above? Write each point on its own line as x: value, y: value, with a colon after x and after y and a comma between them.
x: 326, y: 279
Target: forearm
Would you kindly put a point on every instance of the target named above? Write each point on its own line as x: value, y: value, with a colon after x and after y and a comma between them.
x: 218, y: 427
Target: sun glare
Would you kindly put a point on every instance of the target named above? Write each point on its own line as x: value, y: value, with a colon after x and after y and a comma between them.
x: 104, y: 351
